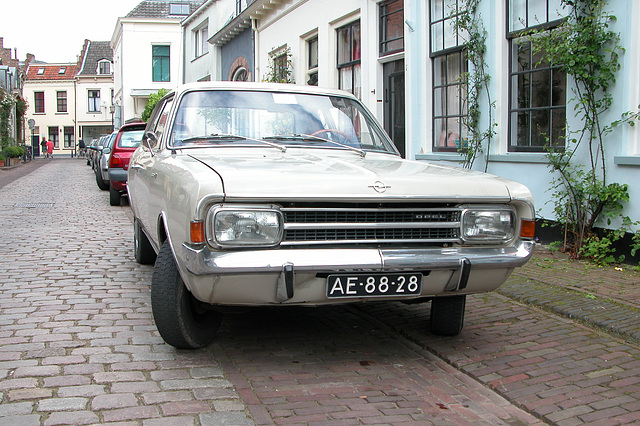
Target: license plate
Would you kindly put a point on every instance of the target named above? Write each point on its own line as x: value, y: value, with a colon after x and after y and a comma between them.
x: 372, y: 285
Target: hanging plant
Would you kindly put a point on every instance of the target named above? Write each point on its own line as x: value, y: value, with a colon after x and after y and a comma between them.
x: 470, y: 28
x: 7, y: 104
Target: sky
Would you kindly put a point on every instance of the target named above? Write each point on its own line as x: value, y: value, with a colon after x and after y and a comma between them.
x: 54, y: 31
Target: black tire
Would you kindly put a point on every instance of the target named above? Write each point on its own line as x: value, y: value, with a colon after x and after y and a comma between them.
x: 447, y: 315
x: 101, y: 182
x: 114, y: 196
x: 183, y: 321
x: 142, y: 248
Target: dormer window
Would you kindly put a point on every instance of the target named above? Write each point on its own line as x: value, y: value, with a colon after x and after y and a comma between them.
x: 178, y: 9
x: 104, y: 67
x: 40, y: 71
x: 62, y: 70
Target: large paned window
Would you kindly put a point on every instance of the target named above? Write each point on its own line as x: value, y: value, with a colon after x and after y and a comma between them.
x: 443, y: 14
x: 68, y: 137
x: 349, y: 67
x: 53, y: 135
x: 449, y: 66
x: 61, y: 101
x: 449, y: 101
x: 38, y: 102
x: 161, y: 63
x: 391, y: 27
x: 94, y: 100
x: 537, y: 90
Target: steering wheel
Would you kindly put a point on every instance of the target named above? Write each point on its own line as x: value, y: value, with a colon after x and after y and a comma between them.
x: 346, y: 139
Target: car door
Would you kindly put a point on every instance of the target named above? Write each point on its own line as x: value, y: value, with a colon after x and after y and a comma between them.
x: 143, y: 173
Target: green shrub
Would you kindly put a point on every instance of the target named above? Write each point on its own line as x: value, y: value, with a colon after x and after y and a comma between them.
x: 14, y: 151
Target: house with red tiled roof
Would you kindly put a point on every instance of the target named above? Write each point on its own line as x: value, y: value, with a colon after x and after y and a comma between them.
x: 50, y: 90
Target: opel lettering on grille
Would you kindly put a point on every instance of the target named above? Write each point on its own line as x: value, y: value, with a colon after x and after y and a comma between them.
x: 379, y: 187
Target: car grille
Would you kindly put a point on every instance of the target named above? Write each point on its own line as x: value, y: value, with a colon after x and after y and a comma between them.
x: 340, y: 225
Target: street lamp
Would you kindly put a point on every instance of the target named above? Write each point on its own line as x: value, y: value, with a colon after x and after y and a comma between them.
x: 112, y: 110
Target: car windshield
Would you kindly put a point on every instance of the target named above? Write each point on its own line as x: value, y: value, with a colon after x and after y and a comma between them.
x: 260, y: 118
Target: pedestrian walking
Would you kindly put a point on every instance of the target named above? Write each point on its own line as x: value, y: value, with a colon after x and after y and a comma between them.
x: 43, y: 144
x: 49, y: 148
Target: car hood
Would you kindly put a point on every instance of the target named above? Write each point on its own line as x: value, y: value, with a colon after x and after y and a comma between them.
x: 306, y: 174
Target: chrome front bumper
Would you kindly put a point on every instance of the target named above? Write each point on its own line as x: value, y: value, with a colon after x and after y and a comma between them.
x: 288, y: 262
x: 203, y: 261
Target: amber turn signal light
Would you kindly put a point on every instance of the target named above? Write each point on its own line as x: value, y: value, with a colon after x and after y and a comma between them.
x: 197, y: 232
x: 527, y: 229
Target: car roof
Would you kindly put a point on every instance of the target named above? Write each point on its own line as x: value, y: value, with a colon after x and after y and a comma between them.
x: 260, y: 86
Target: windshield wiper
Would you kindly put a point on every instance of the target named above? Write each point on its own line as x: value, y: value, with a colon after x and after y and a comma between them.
x: 230, y: 137
x: 362, y: 152
x: 303, y: 138
x: 214, y: 137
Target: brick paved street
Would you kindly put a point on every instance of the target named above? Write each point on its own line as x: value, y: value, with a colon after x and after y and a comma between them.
x: 78, y: 344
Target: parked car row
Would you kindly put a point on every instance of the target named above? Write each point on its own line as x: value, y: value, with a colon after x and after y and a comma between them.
x: 109, y: 157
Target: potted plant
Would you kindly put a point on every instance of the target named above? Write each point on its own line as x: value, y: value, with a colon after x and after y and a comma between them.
x: 2, y: 159
x: 14, y: 153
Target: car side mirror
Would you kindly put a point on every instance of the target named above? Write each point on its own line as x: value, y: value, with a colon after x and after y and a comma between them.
x: 106, y: 150
x: 150, y: 140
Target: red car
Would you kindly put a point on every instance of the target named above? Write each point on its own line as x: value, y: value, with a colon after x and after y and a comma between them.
x: 127, y: 140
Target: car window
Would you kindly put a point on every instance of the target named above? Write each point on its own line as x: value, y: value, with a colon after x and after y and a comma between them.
x: 130, y: 138
x: 218, y: 117
x: 160, y: 121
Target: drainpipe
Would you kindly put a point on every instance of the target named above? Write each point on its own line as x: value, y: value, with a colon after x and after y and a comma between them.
x: 75, y: 115
x: 256, y: 46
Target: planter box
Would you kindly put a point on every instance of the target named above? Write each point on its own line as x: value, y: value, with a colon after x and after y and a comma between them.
x: 14, y: 161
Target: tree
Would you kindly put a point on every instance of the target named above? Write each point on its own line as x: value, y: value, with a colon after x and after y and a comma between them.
x: 151, y: 103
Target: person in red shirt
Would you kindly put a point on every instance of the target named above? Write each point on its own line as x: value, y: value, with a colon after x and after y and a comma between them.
x: 49, y: 149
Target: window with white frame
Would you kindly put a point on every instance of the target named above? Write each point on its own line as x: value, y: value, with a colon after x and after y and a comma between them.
x: 38, y: 100
x: 537, y: 90
x: 94, y: 100
x: 449, y: 67
x: 312, y: 61
x: 349, y: 66
x: 200, y: 44
x: 69, y: 137
x: 181, y: 9
x: 161, y: 63
x: 104, y: 67
x: 61, y: 98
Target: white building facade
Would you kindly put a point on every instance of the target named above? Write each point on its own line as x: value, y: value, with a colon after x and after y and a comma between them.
x: 94, y: 91
x: 50, y: 90
x: 147, y: 53
x: 406, y: 62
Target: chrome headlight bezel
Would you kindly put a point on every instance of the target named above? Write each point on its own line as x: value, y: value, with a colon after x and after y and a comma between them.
x: 221, y: 219
x: 488, y: 224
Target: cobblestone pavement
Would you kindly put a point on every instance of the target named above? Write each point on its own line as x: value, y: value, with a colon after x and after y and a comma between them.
x: 78, y: 345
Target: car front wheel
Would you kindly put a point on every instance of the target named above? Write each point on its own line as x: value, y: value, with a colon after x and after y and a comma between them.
x: 183, y: 321
x: 447, y: 315
x: 101, y: 182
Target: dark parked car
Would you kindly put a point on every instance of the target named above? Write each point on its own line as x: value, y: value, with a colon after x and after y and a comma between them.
x: 126, y: 141
x: 102, y: 161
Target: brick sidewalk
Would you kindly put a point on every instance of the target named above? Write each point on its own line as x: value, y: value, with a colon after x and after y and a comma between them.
x: 607, y: 297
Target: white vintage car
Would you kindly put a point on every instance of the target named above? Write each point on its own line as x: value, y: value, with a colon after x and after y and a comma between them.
x: 267, y: 194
